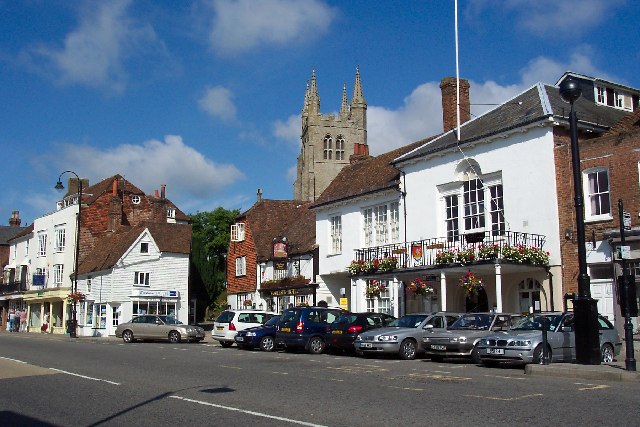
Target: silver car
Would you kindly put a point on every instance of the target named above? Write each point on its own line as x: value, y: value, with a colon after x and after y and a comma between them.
x: 404, y: 335
x: 523, y: 343
x: 463, y: 337
x: 158, y: 327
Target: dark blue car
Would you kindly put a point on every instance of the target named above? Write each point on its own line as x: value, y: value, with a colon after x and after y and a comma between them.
x: 262, y: 336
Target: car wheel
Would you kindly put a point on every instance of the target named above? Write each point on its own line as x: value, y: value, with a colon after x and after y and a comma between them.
x: 174, y: 337
x: 537, y: 355
x: 267, y: 343
x: 226, y: 344
x: 316, y: 345
x: 127, y: 336
x: 407, y: 350
x: 475, y: 355
x: 607, y: 353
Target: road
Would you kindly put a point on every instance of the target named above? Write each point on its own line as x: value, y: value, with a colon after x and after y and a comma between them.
x: 66, y: 382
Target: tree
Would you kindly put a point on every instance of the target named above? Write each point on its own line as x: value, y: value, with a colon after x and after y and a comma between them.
x: 210, y: 243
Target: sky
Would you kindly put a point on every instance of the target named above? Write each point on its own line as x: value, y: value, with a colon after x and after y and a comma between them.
x: 204, y: 96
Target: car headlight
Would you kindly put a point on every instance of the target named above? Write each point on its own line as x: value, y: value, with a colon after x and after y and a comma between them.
x: 251, y: 334
x: 460, y: 340
x: 387, y: 338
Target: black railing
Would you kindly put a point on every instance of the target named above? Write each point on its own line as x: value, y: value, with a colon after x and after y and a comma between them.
x: 11, y: 287
x: 422, y: 253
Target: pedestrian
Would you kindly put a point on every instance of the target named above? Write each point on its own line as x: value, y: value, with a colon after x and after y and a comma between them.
x: 45, y: 323
x: 12, y: 319
x: 23, y: 320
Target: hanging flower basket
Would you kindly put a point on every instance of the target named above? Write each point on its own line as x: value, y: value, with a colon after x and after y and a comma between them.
x: 371, y: 266
x: 387, y: 264
x: 466, y: 256
x: 471, y: 283
x: 418, y: 287
x: 375, y: 288
x: 356, y: 267
x: 445, y: 257
x: 488, y: 252
x: 75, y: 297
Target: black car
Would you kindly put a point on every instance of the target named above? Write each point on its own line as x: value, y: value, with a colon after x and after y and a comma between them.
x: 263, y: 336
x: 305, y: 327
x: 344, y: 330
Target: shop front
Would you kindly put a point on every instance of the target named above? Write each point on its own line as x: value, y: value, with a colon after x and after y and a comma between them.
x: 47, y: 310
x: 279, y: 297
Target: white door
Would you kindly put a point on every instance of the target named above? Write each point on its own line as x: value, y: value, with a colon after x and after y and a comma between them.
x: 602, y: 290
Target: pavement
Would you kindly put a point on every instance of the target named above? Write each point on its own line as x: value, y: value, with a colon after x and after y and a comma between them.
x: 615, y: 371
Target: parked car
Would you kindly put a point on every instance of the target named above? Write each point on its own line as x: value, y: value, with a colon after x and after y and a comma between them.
x: 305, y: 327
x: 263, y: 336
x: 523, y: 343
x: 158, y: 327
x: 229, y: 322
x: 462, y: 338
x: 344, y: 330
x: 404, y: 335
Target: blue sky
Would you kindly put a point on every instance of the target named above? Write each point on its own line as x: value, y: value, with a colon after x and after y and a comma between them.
x: 205, y: 95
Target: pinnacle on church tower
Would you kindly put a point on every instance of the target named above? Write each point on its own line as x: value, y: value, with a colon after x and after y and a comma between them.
x: 344, y: 108
x: 358, y: 96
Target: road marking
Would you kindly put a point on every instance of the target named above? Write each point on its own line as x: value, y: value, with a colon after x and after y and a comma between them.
x: 358, y: 369
x: 506, y: 399
x: 405, y: 388
x: 280, y: 373
x: 245, y: 411
x: 13, y: 360
x: 439, y: 377
x: 505, y: 377
x: 230, y: 367
x: 592, y: 386
x: 84, y: 376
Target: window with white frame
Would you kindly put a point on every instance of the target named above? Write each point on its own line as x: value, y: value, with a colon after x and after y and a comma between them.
x: 381, y: 224
x: 141, y: 278
x: 88, y: 312
x: 115, y: 315
x: 100, y: 316
x: 144, y: 247
x: 472, y: 193
x: 614, y: 98
x: 598, y: 200
x: 58, y: 271
x: 60, y: 234
x: 336, y: 234
x: 42, y: 243
x: 171, y: 213
x: 241, y: 266
x: 382, y: 303
x: 237, y: 232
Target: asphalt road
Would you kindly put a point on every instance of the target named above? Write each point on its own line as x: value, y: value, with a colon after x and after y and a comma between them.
x: 65, y: 382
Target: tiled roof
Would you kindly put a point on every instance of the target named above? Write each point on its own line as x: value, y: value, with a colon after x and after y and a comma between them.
x: 269, y: 219
x: 365, y: 176
x: 537, y: 104
x: 18, y: 232
x: 170, y: 238
x: 629, y: 123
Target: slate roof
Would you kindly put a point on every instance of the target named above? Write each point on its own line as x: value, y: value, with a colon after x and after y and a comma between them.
x: 269, y: 219
x: 537, y: 104
x: 170, y: 238
x: 365, y: 176
x: 23, y: 231
x: 7, y: 233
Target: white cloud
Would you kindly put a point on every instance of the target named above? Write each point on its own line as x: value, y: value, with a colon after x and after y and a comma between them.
x: 185, y: 171
x: 242, y: 25
x: 289, y: 130
x: 218, y: 102
x: 93, y: 54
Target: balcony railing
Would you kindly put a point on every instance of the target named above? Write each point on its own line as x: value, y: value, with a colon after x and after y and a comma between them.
x: 12, y: 287
x: 423, y: 253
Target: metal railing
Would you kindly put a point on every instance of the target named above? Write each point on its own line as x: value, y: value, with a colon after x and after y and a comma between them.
x: 12, y: 287
x: 421, y: 253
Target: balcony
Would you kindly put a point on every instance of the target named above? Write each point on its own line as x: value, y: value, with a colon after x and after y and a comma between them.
x: 513, y: 246
x: 12, y: 287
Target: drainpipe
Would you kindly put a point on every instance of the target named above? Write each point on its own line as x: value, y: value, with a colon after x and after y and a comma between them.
x: 550, y: 275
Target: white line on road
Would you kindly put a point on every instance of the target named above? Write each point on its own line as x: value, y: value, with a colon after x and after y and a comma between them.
x: 13, y: 360
x: 84, y: 376
x: 245, y: 411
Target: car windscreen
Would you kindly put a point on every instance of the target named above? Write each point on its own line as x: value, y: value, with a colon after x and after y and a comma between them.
x: 533, y: 322
x: 273, y: 321
x: 409, y: 321
x: 170, y: 320
x: 479, y: 321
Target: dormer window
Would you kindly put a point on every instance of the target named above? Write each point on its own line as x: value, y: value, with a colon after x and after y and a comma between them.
x: 237, y: 232
x: 171, y: 213
x: 614, y: 98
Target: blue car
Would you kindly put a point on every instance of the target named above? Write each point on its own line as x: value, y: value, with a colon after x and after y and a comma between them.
x: 262, y: 336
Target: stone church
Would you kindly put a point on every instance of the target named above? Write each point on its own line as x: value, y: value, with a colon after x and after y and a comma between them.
x: 328, y: 140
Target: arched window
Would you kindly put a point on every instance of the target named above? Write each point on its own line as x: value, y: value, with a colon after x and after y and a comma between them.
x: 328, y: 147
x: 340, y: 147
x: 529, y: 295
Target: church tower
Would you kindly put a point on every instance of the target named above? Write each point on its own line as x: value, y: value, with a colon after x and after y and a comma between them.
x: 328, y: 141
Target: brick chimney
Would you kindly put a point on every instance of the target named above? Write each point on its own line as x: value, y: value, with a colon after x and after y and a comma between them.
x: 449, y: 105
x: 73, y: 186
x: 15, y: 220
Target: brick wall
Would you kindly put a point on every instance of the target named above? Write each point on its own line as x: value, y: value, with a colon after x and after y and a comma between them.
x: 246, y: 248
x: 449, y: 104
x: 620, y: 155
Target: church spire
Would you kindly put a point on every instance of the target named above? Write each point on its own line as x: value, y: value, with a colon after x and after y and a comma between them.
x: 314, y: 98
x: 344, y: 108
x: 305, y: 105
x: 358, y: 96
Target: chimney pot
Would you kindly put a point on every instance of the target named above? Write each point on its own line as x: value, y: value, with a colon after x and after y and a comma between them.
x: 162, y: 190
x: 259, y: 194
x: 15, y: 220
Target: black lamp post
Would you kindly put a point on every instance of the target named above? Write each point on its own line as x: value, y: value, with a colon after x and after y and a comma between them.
x: 585, y: 308
x: 73, y: 333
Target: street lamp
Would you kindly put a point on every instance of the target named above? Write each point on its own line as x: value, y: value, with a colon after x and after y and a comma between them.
x: 585, y: 308
x: 73, y: 333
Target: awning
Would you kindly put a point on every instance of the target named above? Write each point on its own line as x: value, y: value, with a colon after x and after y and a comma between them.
x: 11, y: 266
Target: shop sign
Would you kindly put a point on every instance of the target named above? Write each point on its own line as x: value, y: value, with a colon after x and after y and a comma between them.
x: 280, y: 265
x: 344, y: 303
x: 280, y: 249
x: 38, y: 280
x: 148, y: 293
